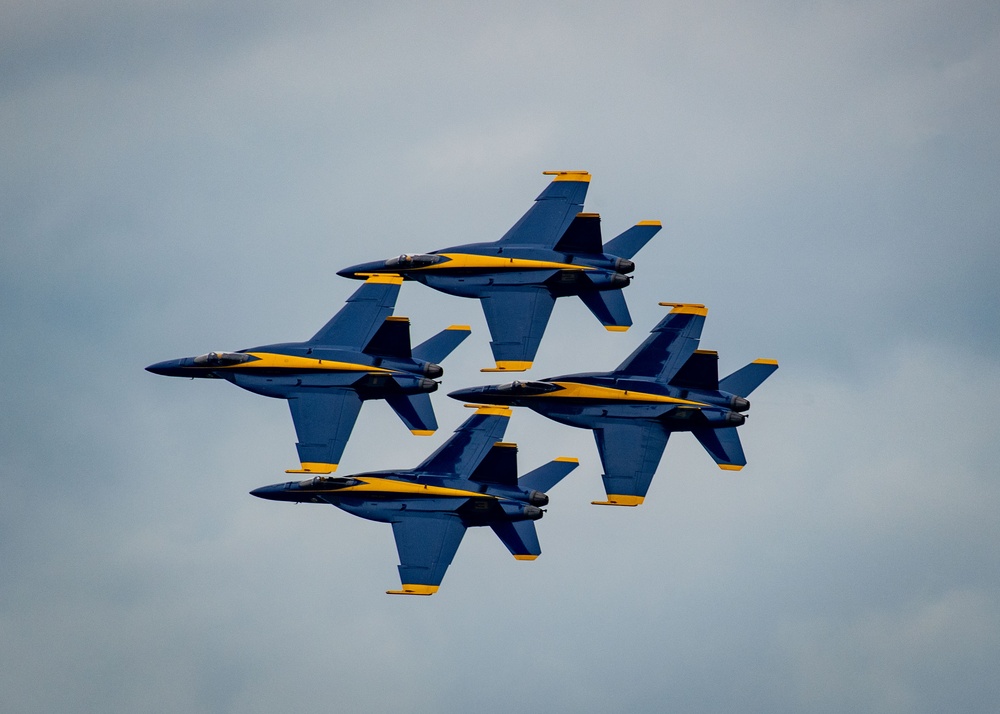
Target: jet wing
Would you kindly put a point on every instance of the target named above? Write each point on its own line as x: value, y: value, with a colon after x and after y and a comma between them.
x: 517, y: 318
x: 553, y: 211
x: 469, y: 445
x: 630, y: 453
x: 669, y: 345
x: 426, y: 545
x: 358, y: 321
x: 323, y: 423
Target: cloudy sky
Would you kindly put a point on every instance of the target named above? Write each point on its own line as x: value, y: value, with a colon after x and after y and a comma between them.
x: 177, y: 178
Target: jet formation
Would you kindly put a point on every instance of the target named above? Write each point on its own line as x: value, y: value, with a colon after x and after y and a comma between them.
x: 555, y: 250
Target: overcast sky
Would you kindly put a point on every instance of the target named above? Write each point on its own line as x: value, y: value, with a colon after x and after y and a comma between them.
x: 177, y: 179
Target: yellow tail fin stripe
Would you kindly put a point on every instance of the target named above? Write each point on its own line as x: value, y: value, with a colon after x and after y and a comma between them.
x: 525, y: 557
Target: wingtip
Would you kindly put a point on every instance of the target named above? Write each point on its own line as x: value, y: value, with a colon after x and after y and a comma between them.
x: 313, y: 468
x: 490, y: 409
x: 686, y: 308
x: 582, y: 176
x: 620, y: 500
x: 509, y: 366
x: 409, y: 589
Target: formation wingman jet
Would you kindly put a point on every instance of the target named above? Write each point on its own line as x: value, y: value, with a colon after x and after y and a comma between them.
x: 471, y: 480
x: 362, y: 353
x: 553, y: 251
x: 665, y: 385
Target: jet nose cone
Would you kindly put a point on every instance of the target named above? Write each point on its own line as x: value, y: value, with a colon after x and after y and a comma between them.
x: 270, y: 493
x: 169, y: 368
x: 470, y: 394
x: 362, y: 270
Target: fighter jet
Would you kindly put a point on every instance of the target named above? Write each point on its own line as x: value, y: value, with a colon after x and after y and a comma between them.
x: 471, y: 480
x: 553, y: 251
x: 665, y: 385
x: 362, y: 353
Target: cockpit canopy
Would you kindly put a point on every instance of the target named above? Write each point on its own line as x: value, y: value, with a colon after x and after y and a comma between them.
x: 328, y: 482
x: 222, y: 359
x: 413, y: 260
x: 528, y: 387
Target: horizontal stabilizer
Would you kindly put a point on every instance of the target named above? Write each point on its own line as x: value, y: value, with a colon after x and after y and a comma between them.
x: 548, y: 475
x: 499, y: 466
x: 437, y: 348
x: 745, y: 380
x: 391, y: 340
x: 631, y: 241
x: 416, y: 412
x: 520, y: 537
x: 609, y: 307
x: 356, y: 322
x: 582, y: 236
x: 724, y: 446
x: 701, y: 371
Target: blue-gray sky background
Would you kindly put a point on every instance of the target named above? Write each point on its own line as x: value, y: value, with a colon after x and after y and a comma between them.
x: 177, y: 179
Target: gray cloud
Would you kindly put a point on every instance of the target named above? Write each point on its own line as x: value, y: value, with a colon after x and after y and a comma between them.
x: 177, y: 179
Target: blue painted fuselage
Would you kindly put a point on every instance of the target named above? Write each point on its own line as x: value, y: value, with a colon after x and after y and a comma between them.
x: 592, y: 400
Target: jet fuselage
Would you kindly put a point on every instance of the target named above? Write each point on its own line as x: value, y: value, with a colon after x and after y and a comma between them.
x: 588, y: 400
x: 475, y: 269
x: 384, y: 496
x: 274, y: 370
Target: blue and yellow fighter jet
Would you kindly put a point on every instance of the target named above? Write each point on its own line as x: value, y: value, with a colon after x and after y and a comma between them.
x: 362, y: 353
x: 553, y: 251
x: 665, y: 385
x: 471, y: 480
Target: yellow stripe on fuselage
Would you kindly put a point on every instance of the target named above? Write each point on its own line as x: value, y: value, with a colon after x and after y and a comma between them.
x: 467, y: 261
x: 270, y: 360
x: 393, y: 487
x: 574, y: 390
